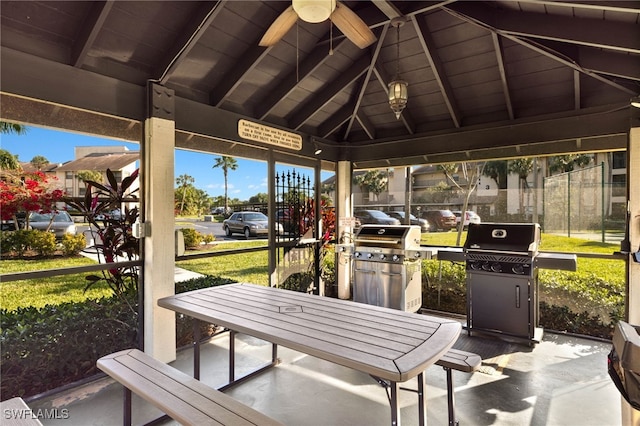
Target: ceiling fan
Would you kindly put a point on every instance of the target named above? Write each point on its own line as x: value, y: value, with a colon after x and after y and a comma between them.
x: 315, y: 11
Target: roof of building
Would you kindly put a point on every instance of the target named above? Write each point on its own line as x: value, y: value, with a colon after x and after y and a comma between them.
x: 101, y: 162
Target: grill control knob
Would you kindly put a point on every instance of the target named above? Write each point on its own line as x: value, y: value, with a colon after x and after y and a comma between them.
x: 357, y: 254
x: 369, y: 255
x: 395, y: 258
x: 496, y: 267
x: 382, y: 256
x: 474, y: 265
x: 486, y: 266
x: 518, y: 270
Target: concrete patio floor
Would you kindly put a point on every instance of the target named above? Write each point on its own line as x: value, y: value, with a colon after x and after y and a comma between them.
x: 560, y: 381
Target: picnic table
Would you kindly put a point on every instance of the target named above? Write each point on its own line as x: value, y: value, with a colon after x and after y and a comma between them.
x: 386, y: 343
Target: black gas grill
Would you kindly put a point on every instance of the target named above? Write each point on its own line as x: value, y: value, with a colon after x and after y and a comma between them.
x: 502, y: 262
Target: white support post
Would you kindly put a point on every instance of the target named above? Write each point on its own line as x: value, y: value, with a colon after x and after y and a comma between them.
x: 344, y: 209
x: 630, y: 416
x: 159, y: 241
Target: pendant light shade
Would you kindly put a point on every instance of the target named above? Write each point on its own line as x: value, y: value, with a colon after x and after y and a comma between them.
x: 398, y: 96
x: 398, y: 88
x: 314, y: 11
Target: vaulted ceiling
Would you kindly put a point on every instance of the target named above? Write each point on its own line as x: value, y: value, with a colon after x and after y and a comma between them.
x: 487, y: 79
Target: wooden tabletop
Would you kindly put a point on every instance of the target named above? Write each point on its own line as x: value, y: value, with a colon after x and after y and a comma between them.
x: 387, y: 343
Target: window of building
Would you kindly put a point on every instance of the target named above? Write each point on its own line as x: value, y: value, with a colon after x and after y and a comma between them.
x: 619, y: 160
x: 68, y: 175
x: 618, y: 185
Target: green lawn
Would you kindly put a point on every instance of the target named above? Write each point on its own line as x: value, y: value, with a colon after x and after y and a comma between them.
x: 52, y: 290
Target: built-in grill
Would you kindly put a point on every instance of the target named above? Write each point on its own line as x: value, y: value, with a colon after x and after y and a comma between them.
x: 502, y: 263
x: 387, y: 266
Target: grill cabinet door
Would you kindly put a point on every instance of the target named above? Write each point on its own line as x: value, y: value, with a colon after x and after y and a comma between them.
x: 499, y: 303
x: 379, y: 284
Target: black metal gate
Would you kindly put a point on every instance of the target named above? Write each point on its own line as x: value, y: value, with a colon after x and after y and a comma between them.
x: 296, y: 248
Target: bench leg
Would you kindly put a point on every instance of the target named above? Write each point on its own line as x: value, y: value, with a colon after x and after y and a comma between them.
x: 450, y: 400
x: 422, y: 401
x: 126, y: 421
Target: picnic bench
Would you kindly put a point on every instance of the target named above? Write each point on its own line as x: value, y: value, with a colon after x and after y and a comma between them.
x: 458, y: 360
x: 180, y: 396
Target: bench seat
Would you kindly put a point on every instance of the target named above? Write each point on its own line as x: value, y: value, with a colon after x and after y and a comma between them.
x: 180, y: 396
x: 455, y: 359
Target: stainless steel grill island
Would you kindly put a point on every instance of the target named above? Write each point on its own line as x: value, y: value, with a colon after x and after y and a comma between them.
x: 387, y: 263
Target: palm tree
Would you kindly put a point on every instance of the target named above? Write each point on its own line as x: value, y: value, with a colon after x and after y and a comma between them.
x: 8, y: 161
x: 183, y: 181
x: 226, y: 163
x: 39, y: 162
x: 18, y: 129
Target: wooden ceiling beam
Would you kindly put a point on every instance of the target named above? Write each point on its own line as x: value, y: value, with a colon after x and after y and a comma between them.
x: 583, y: 31
x: 430, y: 51
x: 311, y: 63
x: 330, y: 90
x: 92, y: 26
x: 199, y: 22
x: 497, y: 46
x: 367, y: 78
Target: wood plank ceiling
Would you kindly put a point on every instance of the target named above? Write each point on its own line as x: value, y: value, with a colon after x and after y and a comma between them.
x: 487, y: 79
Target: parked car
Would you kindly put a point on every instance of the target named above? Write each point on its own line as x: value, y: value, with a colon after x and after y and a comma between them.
x: 470, y: 217
x: 422, y: 223
x: 440, y: 219
x: 376, y: 217
x: 61, y: 224
x: 251, y: 224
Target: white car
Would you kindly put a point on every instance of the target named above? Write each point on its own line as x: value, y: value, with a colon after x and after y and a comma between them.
x: 470, y: 217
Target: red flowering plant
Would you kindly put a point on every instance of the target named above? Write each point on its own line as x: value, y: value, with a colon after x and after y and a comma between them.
x: 27, y: 192
x: 111, y: 231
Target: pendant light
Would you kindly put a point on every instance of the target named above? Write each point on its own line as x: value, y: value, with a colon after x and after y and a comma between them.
x: 398, y: 94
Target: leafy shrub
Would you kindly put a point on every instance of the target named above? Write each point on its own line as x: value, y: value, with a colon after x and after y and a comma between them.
x: 58, y: 344
x: 192, y: 238
x: 6, y: 242
x: 73, y: 244
x: 44, y: 243
x: 45, y: 348
x: 208, y: 238
x: 20, y: 241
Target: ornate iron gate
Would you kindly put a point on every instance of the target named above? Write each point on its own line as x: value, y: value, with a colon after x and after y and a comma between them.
x: 296, y: 248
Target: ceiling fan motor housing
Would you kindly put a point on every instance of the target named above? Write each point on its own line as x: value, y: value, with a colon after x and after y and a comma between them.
x: 314, y: 11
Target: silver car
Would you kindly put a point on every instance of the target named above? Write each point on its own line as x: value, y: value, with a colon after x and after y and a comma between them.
x: 61, y: 223
x: 251, y: 224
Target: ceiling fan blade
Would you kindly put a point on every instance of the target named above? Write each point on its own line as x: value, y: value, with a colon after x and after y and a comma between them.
x: 279, y: 28
x: 354, y: 28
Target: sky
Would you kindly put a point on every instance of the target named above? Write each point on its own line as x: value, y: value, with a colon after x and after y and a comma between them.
x: 250, y: 178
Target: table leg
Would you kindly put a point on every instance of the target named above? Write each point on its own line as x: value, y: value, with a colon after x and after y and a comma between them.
x: 196, y: 348
x: 422, y: 401
x: 395, y: 408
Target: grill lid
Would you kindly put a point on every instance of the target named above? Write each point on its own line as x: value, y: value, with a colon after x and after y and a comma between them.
x: 405, y: 237
x: 521, y: 238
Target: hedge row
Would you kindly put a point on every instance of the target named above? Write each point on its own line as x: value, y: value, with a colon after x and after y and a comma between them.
x: 19, y: 242
x: 45, y: 348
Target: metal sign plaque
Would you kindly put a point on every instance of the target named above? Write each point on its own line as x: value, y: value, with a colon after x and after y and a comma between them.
x: 269, y: 135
